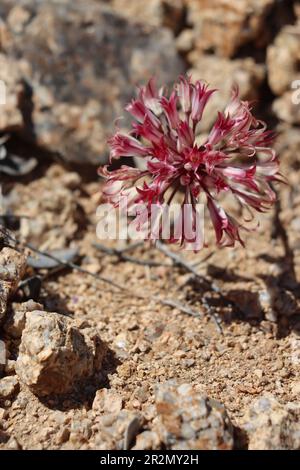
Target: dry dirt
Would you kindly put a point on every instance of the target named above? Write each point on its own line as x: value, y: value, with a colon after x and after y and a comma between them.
x: 232, y: 331
x: 244, y: 351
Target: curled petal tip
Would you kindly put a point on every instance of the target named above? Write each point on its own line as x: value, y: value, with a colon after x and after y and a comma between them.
x: 236, y: 158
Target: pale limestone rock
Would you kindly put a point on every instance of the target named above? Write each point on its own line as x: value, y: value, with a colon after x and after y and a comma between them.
x: 54, y: 354
x: 271, y: 425
x: 107, y: 401
x: 147, y: 440
x: 12, y: 268
x: 12, y: 93
x: 189, y: 420
x: 225, y: 25
x: 286, y: 108
x: 283, y: 58
x: 152, y: 12
x: 73, y: 116
x: 9, y: 386
x: 15, y: 322
x: 118, y: 431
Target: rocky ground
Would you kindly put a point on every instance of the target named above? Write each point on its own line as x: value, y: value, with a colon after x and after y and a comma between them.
x: 164, y: 358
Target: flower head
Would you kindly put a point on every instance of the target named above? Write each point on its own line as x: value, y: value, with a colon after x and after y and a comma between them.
x: 235, y: 158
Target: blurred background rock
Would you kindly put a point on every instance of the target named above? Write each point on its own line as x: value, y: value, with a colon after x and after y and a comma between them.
x: 70, y: 66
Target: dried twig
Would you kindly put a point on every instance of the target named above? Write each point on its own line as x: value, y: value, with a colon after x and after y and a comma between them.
x: 123, y: 257
x: 131, y: 247
x: 177, y: 260
x: 68, y: 264
x: 117, y: 251
x: 203, y: 260
x: 183, y: 308
x: 76, y: 267
x: 168, y: 302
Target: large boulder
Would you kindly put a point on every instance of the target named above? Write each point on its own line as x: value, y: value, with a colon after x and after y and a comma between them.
x: 224, y: 26
x: 80, y: 65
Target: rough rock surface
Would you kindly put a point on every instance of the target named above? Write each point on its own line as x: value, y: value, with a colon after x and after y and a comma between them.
x: 117, y: 431
x: 283, y: 57
x: 188, y: 420
x: 11, y: 118
x: 77, y: 91
x: 12, y: 268
x: 259, y: 350
x: 107, y: 401
x: 223, y: 74
x: 16, y: 319
x: 61, y: 206
x: 224, y: 26
x: 54, y: 354
x: 286, y: 109
x: 272, y: 426
x: 148, y: 440
x: 153, y: 12
x: 9, y: 386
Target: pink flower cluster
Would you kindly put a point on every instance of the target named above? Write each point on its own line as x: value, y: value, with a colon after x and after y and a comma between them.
x: 235, y: 158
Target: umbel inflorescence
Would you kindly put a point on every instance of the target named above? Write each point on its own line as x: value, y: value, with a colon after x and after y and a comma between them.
x: 235, y: 158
